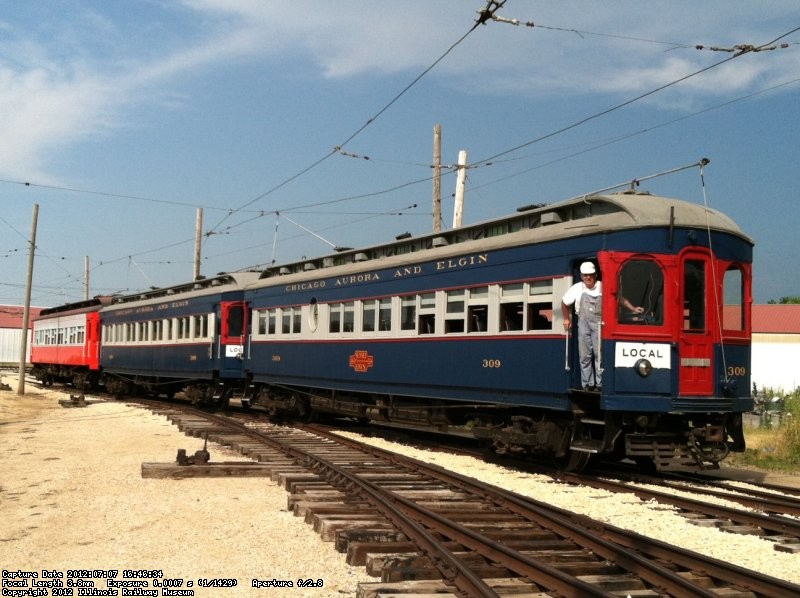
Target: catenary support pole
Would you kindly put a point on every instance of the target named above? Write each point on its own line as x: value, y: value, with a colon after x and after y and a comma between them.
x: 458, y: 211
x: 26, y: 314
x: 437, y: 178
x: 198, y: 241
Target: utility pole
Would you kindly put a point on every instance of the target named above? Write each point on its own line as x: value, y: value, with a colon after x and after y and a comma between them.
x: 458, y: 210
x: 437, y: 178
x: 86, y: 278
x: 198, y: 241
x: 26, y: 314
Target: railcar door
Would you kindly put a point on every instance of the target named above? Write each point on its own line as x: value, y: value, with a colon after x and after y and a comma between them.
x: 696, y: 375
x: 233, y: 331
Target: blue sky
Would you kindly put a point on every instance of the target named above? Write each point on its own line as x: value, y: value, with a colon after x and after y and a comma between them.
x: 120, y: 119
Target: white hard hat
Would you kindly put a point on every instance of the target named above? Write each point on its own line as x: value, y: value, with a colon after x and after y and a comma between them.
x: 587, y: 268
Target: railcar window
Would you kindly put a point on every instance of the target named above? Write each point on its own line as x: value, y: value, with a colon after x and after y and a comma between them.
x: 335, y: 319
x: 478, y: 310
x: 511, y: 306
x: 201, y: 326
x: 540, y: 316
x: 541, y: 287
x: 427, y: 314
x: 454, y: 318
x: 539, y: 313
x: 184, y: 330
x: 368, y: 313
x: 385, y: 314
x: 511, y: 316
x: 694, y: 292
x: 349, y: 320
x: 641, y: 284
x: 733, y: 303
x: 408, y: 313
x: 296, y: 319
x: 266, y: 320
x: 376, y: 314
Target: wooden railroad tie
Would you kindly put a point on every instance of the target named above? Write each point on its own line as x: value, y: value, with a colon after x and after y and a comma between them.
x: 199, y: 466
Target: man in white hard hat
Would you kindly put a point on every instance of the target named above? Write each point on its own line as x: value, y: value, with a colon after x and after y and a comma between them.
x: 587, y: 296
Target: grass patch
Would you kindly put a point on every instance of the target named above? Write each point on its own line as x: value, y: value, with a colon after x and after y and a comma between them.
x: 774, y: 444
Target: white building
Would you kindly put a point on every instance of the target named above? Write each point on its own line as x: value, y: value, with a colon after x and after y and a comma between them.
x: 776, y: 347
x: 11, y: 333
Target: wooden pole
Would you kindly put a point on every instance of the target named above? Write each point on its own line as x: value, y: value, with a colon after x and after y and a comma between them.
x: 26, y: 314
x: 437, y: 178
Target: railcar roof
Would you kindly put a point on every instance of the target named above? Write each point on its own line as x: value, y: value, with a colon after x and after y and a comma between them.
x: 197, y: 288
x: 538, y: 223
x: 75, y: 308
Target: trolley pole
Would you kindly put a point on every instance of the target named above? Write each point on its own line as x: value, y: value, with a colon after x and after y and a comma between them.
x: 26, y: 314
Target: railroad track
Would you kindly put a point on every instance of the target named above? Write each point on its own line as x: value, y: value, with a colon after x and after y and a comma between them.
x: 765, y: 514
x: 418, y: 525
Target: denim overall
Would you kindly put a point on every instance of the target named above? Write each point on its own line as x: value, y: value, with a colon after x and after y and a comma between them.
x: 589, y: 340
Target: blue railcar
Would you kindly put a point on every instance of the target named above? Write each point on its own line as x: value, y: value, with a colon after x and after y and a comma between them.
x: 188, y: 338
x: 464, y: 328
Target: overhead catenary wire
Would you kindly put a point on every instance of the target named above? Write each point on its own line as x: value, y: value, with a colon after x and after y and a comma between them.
x: 230, y: 212
x: 622, y: 137
x: 625, y: 103
x: 484, y: 15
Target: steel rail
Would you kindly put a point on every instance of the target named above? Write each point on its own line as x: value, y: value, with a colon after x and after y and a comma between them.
x: 591, y: 530
x: 777, y: 524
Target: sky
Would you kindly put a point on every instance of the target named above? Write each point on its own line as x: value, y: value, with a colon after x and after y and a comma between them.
x: 302, y: 126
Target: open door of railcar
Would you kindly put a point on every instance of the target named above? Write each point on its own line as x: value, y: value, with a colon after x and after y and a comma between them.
x: 232, y: 338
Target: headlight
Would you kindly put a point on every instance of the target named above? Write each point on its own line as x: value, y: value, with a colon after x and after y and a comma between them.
x: 643, y: 367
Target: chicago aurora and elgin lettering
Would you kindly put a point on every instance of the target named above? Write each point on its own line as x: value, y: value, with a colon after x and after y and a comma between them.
x: 453, y: 263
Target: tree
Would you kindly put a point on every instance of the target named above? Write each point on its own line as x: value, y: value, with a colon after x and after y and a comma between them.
x: 785, y: 300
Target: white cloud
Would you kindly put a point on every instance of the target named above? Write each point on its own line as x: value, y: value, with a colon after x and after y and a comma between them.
x: 54, y: 93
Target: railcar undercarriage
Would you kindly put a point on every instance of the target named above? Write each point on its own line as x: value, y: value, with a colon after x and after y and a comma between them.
x: 79, y: 377
x: 654, y: 441
x: 215, y: 394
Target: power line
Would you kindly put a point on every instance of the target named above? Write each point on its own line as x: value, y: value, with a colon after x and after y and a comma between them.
x: 484, y: 15
x: 109, y: 194
x: 627, y: 102
x: 625, y: 136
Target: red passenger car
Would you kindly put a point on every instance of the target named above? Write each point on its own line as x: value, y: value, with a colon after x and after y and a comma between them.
x: 66, y: 343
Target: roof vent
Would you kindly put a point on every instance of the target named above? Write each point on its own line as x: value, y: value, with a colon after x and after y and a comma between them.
x: 551, y: 218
